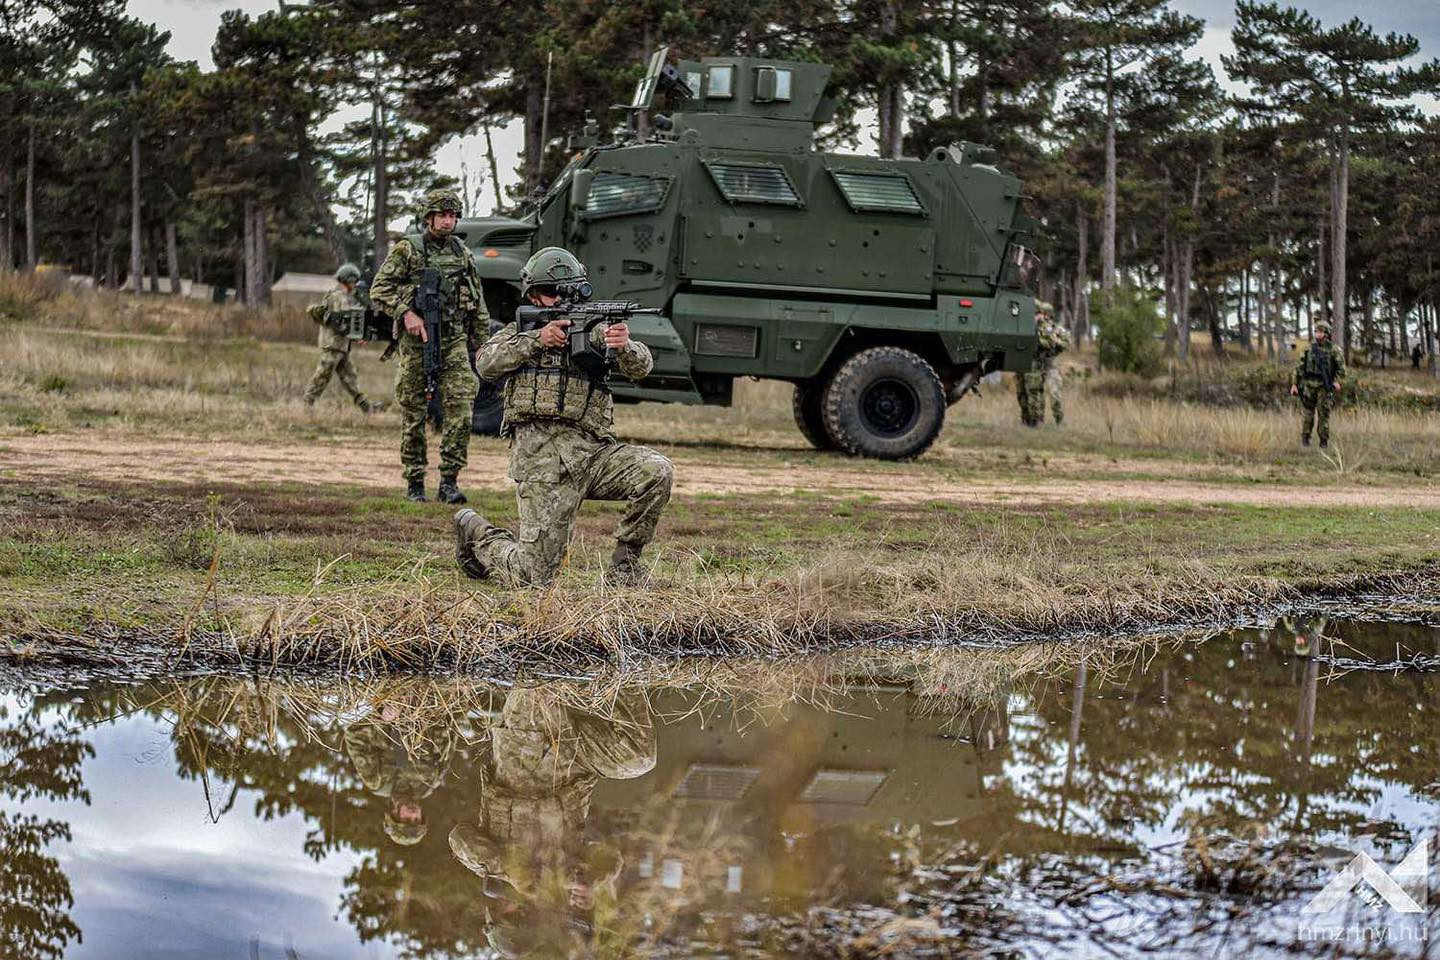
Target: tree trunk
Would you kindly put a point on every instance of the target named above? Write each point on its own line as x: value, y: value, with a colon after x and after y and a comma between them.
x: 247, y: 285
x: 534, y: 107
x: 494, y: 167
x: 1340, y: 224
x: 1082, y: 270
x: 30, y: 260
x: 7, y: 230
x: 137, y: 282
x: 1167, y: 276
x: 380, y: 182
x: 891, y: 97
x: 1107, y: 236
x: 1187, y: 270
x: 1243, y: 312
x: 152, y: 259
x: 1321, y: 289
x: 172, y: 257
x: 262, y: 255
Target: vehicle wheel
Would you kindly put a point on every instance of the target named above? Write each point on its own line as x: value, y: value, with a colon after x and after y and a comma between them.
x: 489, y: 408
x: 885, y: 402
x: 808, y: 416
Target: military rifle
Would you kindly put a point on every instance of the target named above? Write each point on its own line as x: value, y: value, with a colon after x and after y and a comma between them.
x: 584, y: 317
x: 427, y: 304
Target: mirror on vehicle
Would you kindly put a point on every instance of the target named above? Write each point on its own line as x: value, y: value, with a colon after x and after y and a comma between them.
x: 580, y: 189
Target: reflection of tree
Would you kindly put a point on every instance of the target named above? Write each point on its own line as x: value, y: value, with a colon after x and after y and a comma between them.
x: 36, y: 761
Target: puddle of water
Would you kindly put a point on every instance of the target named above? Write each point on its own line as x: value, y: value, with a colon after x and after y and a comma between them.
x: 1170, y: 800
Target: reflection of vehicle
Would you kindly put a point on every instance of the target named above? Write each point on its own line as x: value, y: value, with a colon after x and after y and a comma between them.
x: 882, y: 289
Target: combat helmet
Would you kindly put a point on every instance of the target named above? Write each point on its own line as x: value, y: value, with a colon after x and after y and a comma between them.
x: 1045, y: 308
x: 404, y: 833
x: 555, y: 267
x: 348, y: 273
x: 440, y: 200
x: 1323, y: 325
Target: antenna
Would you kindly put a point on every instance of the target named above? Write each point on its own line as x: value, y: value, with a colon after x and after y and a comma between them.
x: 545, y: 113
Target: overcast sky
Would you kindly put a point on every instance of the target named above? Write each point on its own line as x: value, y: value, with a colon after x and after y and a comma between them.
x: 192, y: 26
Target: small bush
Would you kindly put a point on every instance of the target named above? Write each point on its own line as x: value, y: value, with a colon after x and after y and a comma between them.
x: 1127, y: 331
x: 53, y: 383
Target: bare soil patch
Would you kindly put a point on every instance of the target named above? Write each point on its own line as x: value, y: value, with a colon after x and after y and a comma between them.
x: 129, y: 457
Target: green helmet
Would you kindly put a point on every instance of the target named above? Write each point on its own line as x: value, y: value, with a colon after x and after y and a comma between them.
x: 348, y: 273
x: 439, y: 201
x: 551, y: 266
x: 1323, y: 326
x: 1045, y: 307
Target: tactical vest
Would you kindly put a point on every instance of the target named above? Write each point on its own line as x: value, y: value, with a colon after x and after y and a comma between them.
x: 1318, y: 364
x: 458, y: 295
x: 555, y: 387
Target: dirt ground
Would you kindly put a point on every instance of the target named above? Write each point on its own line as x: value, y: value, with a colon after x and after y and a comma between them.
x: 103, y: 455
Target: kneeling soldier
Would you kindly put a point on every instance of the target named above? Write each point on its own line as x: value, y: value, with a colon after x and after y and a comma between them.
x: 559, y: 416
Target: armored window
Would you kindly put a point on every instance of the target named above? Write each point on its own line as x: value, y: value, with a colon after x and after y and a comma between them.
x: 618, y: 194
x: 722, y: 82
x: 782, y: 84
x: 878, y: 192
x: 754, y: 183
x: 692, y: 80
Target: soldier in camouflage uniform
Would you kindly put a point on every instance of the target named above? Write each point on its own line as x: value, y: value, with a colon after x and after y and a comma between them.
x: 560, y: 421
x: 332, y: 315
x: 533, y: 800
x: 397, y: 764
x: 463, y: 313
x: 1043, y: 380
x: 1317, y: 381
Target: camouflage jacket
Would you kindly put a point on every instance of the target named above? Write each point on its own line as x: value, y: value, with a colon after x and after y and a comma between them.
x: 509, y: 350
x: 324, y: 314
x: 1053, y: 339
x: 389, y: 768
x: 393, y: 290
x: 1320, y: 363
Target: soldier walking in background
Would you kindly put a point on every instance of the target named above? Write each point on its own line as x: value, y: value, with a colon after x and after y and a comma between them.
x: 1043, y: 380
x: 559, y: 416
x: 462, y: 312
x: 1317, y: 381
x: 333, y: 315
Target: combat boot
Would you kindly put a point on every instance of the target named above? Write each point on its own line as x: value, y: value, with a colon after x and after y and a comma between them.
x: 469, y: 525
x: 416, y: 491
x: 1305, y: 441
x: 625, y: 566
x: 449, y: 492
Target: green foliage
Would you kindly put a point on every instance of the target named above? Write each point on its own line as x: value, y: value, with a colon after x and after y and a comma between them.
x: 53, y: 383
x: 1128, y: 330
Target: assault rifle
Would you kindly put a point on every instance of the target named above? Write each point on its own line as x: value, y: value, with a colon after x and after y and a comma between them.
x: 427, y: 304
x: 374, y: 326
x: 584, y: 317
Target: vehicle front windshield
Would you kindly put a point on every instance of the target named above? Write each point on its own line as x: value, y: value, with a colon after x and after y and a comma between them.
x: 558, y: 185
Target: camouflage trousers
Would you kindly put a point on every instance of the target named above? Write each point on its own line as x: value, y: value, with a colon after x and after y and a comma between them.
x: 458, y: 386
x: 1033, y: 388
x: 559, y: 466
x: 1315, y: 404
x: 335, y: 363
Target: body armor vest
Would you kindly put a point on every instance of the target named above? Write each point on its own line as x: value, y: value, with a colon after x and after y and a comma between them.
x: 457, y: 294
x: 555, y: 387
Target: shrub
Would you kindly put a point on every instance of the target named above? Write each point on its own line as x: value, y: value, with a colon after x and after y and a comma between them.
x: 1127, y: 331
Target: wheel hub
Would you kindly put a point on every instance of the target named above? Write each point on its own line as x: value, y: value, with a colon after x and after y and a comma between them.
x: 890, y: 407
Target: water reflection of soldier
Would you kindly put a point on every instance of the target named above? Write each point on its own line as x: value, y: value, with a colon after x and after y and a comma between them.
x: 400, y: 768
x: 528, y: 836
x: 1308, y: 632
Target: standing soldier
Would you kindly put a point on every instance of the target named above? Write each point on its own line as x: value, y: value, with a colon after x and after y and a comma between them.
x: 1043, y: 380
x: 462, y: 311
x: 1317, y: 381
x: 333, y: 315
x: 559, y: 416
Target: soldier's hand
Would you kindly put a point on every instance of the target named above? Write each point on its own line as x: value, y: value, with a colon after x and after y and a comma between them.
x: 415, y: 324
x: 554, y: 334
x: 617, y: 336
x: 1294, y: 391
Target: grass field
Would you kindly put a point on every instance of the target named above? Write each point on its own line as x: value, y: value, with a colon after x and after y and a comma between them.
x: 162, y: 477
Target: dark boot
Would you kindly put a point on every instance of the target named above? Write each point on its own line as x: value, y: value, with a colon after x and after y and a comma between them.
x: 416, y: 491
x: 449, y: 492
x: 625, y: 566
x: 469, y: 525
x: 1305, y: 441
x: 1324, y: 443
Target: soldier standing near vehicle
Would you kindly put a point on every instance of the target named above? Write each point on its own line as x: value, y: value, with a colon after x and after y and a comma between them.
x: 560, y: 421
x: 1043, y: 380
x: 395, y: 292
x: 1317, y: 381
x: 333, y: 316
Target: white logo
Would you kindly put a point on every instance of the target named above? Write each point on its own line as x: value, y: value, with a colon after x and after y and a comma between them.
x: 1405, y: 888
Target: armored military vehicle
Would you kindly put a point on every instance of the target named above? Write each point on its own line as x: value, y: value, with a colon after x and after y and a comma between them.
x: 882, y: 289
